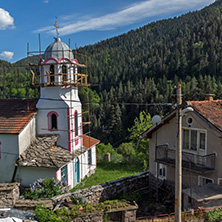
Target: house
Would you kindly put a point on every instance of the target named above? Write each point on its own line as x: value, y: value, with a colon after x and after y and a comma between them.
x: 44, y: 137
x: 201, y: 145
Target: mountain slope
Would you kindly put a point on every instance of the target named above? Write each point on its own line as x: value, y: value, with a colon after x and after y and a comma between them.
x: 188, y: 45
x: 143, y: 65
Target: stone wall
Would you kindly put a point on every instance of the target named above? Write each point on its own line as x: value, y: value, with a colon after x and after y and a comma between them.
x: 30, y: 205
x: 9, y: 194
x: 110, y: 190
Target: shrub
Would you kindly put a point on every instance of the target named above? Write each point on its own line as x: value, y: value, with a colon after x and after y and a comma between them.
x: 126, y: 149
x: 214, y: 215
x: 102, y: 149
x: 46, y: 188
x: 43, y: 214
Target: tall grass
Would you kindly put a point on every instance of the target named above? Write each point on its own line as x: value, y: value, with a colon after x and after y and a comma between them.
x: 108, y: 171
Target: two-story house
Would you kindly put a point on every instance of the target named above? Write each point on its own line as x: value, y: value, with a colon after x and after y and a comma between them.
x: 201, y: 145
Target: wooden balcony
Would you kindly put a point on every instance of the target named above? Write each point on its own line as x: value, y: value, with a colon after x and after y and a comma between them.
x: 190, y: 161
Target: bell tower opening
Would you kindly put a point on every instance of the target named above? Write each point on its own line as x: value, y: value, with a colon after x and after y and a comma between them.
x: 64, y: 73
x: 52, y: 74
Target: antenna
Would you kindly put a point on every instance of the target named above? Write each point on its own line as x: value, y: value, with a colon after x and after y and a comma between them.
x: 39, y: 44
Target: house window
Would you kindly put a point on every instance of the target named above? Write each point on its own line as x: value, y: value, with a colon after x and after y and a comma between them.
x: 64, y: 73
x: 162, y: 170
x: 204, y: 180
x: 76, y: 123
x: 194, y: 139
x: 64, y: 175
x: 52, y: 74
x: 90, y: 157
x: 52, y: 121
x: 220, y: 181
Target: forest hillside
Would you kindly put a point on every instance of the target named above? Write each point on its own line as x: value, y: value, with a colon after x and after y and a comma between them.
x: 141, y: 67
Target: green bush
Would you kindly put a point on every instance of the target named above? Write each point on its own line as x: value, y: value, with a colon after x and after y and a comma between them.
x: 214, y: 215
x: 102, y: 149
x: 46, y: 188
x: 126, y: 149
x: 43, y: 214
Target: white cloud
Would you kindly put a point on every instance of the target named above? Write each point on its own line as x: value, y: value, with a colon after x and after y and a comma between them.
x: 6, y: 21
x: 132, y: 14
x: 45, y: 1
x: 7, y: 55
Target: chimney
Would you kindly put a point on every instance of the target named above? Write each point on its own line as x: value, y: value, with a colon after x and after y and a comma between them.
x: 209, y: 97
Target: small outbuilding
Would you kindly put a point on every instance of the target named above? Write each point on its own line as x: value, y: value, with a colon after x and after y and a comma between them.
x: 209, y: 195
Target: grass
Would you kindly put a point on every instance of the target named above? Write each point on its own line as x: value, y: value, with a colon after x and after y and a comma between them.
x: 108, y: 171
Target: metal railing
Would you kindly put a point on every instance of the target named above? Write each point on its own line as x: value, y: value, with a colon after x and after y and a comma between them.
x: 190, y: 161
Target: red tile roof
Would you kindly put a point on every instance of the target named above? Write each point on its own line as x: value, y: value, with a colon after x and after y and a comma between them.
x: 15, y: 114
x: 211, y: 110
x: 89, y: 141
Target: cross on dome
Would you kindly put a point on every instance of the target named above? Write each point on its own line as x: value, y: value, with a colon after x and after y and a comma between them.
x: 57, y: 26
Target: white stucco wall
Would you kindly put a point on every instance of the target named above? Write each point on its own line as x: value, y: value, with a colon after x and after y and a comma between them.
x: 27, y: 135
x: 84, y: 168
x: 9, y: 154
x: 59, y: 102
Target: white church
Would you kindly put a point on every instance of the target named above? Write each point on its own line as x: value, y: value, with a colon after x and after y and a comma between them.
x: 44, y: 138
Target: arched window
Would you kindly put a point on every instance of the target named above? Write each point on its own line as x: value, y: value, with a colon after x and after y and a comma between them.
x: 64, y: 73
x: 52, y: 121
x: 76, y: 123
x: 52, y: 74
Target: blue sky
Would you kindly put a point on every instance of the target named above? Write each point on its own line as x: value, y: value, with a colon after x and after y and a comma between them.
x: 83, y: 22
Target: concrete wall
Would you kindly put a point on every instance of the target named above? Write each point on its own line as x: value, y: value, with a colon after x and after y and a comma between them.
x: 27, y: 175
x: 9, y: 154
x: 27, y: 135
x: 167, y: 134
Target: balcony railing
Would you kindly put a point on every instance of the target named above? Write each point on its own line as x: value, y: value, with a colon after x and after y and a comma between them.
x: 49, y: 79
x: 190, y: 161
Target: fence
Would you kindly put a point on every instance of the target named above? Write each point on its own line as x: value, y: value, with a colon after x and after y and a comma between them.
x: 197, y: 215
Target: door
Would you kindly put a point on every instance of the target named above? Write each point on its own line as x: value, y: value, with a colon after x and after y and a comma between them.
x: 77, y: 171
x: 201, y: 151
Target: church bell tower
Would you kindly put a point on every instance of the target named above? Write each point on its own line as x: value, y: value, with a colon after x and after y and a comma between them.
x: 59, y: 106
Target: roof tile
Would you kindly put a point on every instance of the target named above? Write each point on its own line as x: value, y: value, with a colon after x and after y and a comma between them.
x: 15, y: 114
x: 211, y: 110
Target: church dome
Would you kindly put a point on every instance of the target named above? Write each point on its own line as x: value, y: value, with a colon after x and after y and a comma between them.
x: 58, y: 50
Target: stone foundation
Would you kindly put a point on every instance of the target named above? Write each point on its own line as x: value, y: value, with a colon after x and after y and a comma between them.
x: 29, y: 205
x: 9, y: 194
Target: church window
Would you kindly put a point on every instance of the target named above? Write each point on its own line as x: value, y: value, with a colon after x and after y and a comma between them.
x: 52, y: 121
x: 64, y: 73
x: 76, y: 123
x: 52, y: 74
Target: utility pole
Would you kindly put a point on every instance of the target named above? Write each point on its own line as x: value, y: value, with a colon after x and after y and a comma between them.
x: 178, y: 169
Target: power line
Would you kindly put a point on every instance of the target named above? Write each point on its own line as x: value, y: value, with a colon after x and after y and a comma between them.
x: 108, y: 103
